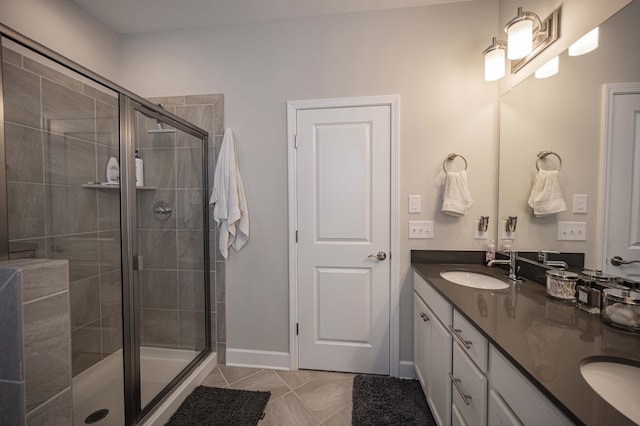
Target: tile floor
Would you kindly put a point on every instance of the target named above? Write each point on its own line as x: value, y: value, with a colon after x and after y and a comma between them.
x: 298, y: 398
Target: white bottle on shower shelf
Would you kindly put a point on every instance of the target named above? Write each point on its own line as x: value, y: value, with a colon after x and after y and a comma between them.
x: 113, y: 172
x: 139, y: 170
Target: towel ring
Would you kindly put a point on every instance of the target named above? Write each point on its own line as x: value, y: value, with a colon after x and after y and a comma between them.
x: 544, y: 154
x: 451, y: 157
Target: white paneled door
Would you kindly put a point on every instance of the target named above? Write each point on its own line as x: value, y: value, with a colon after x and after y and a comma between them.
x: 343, y: 179
x: 622, y: 183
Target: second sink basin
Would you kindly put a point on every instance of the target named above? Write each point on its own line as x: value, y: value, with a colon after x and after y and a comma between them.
x: 474, y: 280
x: 618, y: 383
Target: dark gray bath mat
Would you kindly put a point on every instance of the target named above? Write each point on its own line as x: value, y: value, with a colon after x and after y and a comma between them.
x: 216, y: 406
x: 389, y: 401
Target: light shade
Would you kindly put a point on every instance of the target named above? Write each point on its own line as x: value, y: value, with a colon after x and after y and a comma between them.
x: 519, y: 39
x: 548, y: 69
x: 585, y: 44
x: 494, y: 61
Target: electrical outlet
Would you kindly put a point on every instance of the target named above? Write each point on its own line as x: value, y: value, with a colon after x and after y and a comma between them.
x: 572, y: 231
x: 479, y: 235
x: 507, y: 235
x: 415, y: 202
x: 420, y: 229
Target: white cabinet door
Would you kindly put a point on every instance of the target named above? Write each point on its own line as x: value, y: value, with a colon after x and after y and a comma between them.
x: 499, y: 412
x: 439, y: 396
x: 421, y: 338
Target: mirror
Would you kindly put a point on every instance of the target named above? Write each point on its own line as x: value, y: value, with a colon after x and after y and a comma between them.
x: 562, y: 114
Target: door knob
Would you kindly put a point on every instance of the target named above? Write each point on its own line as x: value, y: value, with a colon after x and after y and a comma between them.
x: 617, y: 261
x: 380, y: 255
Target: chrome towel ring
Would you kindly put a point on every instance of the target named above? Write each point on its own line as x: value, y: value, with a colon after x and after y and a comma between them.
x: 544, y: 154
x: 451, y: 157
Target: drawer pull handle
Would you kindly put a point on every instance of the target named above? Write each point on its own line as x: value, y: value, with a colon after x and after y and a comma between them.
x: 424, y: 316
x: 457, y: 332
x: 466, y: 398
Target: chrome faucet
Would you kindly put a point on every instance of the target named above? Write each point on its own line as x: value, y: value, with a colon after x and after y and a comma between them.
x: 543, y: 257
x: 512, y: 262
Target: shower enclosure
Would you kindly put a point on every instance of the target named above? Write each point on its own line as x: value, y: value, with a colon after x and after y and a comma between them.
x: 138, y: 252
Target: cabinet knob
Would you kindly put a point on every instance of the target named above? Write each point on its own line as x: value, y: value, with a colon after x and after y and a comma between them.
x: 424, y: 316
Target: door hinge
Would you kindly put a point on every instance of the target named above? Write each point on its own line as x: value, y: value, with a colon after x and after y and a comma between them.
x: 296, y: 236
x: 295, y: 141
x: 297, y: 329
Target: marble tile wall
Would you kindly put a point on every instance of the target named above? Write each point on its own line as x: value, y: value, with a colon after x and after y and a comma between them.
x: 59, y: 134
x: 207, y: 112
x: 35, y: 362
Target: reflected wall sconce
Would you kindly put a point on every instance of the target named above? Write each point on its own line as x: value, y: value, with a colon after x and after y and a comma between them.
x: 511, y: 224
x: 585, y: 44
x: 549, y: 69
x: 527, y: 37
x: 483, y: 224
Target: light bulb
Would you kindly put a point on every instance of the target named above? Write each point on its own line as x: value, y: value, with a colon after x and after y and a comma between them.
x: 520, y: 39
x: 494, y: 63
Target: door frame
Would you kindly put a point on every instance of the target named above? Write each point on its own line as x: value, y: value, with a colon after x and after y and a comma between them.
x: 609, y: 92
x: 393, y: 101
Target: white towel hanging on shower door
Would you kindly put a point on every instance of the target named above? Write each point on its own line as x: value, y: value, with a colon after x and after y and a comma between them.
x: 228, y: 199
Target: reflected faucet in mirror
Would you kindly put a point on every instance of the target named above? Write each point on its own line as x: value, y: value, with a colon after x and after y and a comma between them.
x: 543, y: 257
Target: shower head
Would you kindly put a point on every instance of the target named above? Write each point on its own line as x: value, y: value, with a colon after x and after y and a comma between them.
x: 160, y: 129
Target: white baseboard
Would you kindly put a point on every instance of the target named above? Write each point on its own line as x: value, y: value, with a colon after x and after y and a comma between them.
x: 407, y: 370
x: 257, y: 359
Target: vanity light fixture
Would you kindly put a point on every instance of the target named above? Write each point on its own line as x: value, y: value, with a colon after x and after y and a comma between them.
x: 527, y: 37
x: 585, y: 44
x: 494, y: 60
x: 549, y: 69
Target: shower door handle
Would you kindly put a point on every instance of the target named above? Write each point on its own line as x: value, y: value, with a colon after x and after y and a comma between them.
x: 138, y: 265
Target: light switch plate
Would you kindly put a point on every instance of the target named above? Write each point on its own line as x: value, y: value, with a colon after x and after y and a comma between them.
x: 572, y: 231
x: 420, y: 229
x: 580, y: 203
x: 415, y: 204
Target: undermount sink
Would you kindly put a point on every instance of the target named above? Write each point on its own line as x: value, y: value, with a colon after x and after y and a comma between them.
x: 618, y: 383
x: 474, y: 280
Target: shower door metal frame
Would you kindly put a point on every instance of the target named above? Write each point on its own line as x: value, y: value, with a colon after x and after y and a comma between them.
x: 128, y: 103
x: 128, y: 107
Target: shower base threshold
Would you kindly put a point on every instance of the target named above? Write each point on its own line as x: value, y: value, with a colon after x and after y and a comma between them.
x: 101, y: 387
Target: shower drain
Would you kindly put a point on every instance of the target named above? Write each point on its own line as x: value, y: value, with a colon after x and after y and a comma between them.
x: 96, y: 416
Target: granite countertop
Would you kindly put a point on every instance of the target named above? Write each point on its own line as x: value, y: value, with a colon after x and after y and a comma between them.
x: 545, y: 339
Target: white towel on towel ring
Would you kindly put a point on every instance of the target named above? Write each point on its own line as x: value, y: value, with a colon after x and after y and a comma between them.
x: 546, y: 194
x: 456, y: 199
x: 228, y: 199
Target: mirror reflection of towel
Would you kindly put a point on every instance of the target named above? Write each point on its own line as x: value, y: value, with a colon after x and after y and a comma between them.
x: 457, y: 198
x: 546, y: 194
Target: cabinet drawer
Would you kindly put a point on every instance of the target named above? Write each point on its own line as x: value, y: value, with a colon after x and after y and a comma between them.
x: 499, y: 412
x: 469, y: 381
x: 436, y: 303
x: 473, y: 343
x: 528, y: 404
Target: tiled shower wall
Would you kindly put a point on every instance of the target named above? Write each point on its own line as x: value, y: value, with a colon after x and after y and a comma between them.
x: 59, y: 134
x: 207, y: 112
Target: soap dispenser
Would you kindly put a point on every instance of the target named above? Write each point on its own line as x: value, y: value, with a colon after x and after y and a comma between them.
x: 139, y: 170
x: 113, y: 172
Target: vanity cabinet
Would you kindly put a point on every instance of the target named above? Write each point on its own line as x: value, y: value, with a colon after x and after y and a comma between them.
x: 515, y: 400
x: 432, y: 348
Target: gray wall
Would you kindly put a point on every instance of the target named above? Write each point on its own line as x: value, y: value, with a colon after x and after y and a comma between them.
x: 430, y: 56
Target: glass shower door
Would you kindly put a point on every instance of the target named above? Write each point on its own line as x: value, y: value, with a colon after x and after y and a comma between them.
x: 170, y: 222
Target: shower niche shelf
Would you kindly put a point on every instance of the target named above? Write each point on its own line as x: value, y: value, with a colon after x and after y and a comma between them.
x: 102, y: 185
